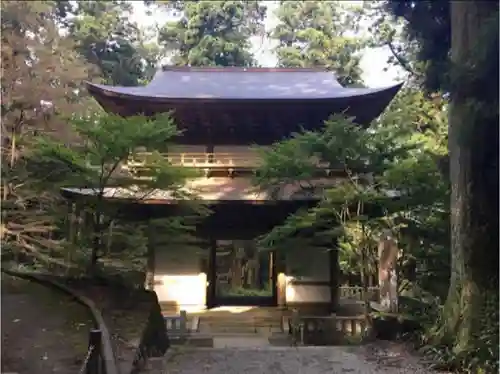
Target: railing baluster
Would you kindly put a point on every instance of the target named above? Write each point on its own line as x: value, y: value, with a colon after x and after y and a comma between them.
x: 93, y: 364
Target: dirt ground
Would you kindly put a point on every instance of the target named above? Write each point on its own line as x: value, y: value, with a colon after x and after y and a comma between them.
x: 43, y: 331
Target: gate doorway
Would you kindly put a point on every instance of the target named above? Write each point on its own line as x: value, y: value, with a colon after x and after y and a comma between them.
x: 240, y: 274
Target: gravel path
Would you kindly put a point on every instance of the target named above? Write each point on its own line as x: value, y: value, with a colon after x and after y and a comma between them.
x: 385, y: 359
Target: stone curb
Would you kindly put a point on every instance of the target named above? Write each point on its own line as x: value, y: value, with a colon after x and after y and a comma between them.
x: 109, y: 357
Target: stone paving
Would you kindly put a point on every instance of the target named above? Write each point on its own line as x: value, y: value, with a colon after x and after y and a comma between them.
x: 255, y: 359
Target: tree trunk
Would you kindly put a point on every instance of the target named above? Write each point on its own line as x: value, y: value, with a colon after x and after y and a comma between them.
x: 473, y: 147
x: 96, y: 242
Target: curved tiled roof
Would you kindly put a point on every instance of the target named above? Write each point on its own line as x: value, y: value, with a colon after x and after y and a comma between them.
x: 240, y: 84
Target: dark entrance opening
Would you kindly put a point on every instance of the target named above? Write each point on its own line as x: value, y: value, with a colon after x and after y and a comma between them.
x: 241, y: 275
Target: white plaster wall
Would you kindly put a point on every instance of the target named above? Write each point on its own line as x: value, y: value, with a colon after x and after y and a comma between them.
x: 178, y: 277
x: 307, y: 294
x: 307, y: 265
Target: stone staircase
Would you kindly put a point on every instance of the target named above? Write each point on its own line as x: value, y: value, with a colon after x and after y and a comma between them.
x: 240, y: 321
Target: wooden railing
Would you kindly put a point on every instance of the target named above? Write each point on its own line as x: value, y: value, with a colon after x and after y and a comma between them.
x: 324, y: 330
x: 356, y: 293
x: 202, y: 160
x: 94, y: 360
x: 207, y: 160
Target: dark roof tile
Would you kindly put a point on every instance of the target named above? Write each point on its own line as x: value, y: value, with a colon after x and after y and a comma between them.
x: 240, y: 84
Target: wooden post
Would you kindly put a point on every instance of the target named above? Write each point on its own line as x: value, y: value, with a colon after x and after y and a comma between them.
x: 210, y: 152
x: 212, y: 273
x: 95, y: 340
x: 151, y: 260
x: 333, y: 256
x: 279, y: 263
x: 297, y: 328
x: 70, y: 221
x: 183, y: 322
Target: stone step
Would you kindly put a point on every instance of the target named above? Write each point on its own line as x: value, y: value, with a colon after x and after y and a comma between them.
x: 242, y: 328
x: 281, y: 340
x: 253, y: 322
x: 240, y: 321
x: 238, y: 331
x: 193, y: 340
x: 240, y: 318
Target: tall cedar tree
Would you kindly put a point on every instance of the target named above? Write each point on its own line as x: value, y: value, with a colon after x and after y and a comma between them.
x: 213, y: 33
x: 468, y: 32
x: 41, y: 75
x: 319, y: 34
x: 115, y: 47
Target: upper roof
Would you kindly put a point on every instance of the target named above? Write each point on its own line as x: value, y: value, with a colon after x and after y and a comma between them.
x: 229, y: 83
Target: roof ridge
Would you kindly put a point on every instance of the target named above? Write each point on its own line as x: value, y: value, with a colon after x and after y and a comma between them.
x: 238, y: 69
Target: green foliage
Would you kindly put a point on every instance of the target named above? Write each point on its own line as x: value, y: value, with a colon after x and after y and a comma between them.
x: 41, y: 75
x: 106, y: 143
x: 242, y: 291
x: 399, y: 152
x: 107, y: 38
x: 213, y: 33
x: 481, y: 357
x: 427, y: 23
x: 319, y: 34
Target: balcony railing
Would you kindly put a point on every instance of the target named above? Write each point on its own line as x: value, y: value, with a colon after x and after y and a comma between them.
x: 203, y: 160
x: 209, y: 163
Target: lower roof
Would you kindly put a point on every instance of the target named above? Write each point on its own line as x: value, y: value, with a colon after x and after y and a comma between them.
x: 211, y: 190
x: 206, y: 189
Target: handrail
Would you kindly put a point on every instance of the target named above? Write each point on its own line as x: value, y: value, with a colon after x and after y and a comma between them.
x: 196, y: 159
x: 206, y: 160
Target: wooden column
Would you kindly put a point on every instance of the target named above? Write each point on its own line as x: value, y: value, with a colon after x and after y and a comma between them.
x: 280, y: 269
x: 70, y: 222
x: 212, y: 273
x: 210, y: 150
x: 151, y: 259
x: 333, y: 256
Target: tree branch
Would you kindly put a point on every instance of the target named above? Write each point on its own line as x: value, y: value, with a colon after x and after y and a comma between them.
x: 402, y: 62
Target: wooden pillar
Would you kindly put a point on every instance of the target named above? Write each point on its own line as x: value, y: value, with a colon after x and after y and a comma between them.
x: 70, y: 222
x: 280, y: 270
x: 210, y: 151
x: 333, y: 256
x: 272, y: 270
x: 212, y: 273
x: 85, y: 226
x: 151, y: 259
x: 70, y: 231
